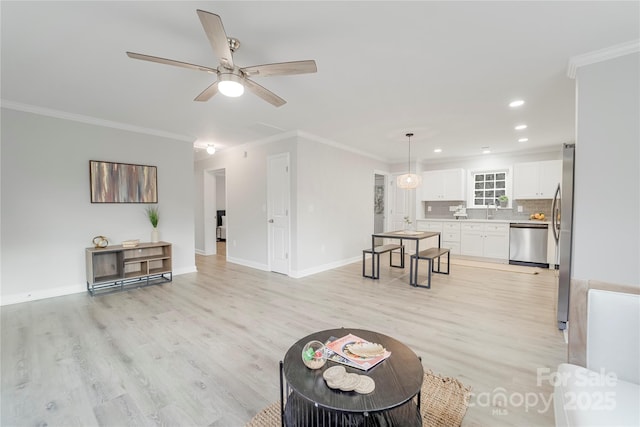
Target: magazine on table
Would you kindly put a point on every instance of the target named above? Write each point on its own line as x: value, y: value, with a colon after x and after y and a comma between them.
x: 338, y: 351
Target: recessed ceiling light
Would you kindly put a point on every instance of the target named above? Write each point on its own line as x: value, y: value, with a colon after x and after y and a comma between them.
x: 486, y: 150
x: 523, y: 139
x: 521, y: 127
x: 438, y: 150
x: 516, y: 103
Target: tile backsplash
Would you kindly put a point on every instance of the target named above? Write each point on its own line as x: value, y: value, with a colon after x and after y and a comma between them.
x: 440, y: 210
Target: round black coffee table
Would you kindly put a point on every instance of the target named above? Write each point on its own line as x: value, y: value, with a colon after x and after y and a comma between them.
x: 310, y: 402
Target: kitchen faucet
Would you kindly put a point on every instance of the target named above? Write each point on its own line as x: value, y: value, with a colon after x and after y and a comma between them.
x: 495, y: 207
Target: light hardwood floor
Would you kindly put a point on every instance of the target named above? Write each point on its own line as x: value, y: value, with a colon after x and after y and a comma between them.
x: 204, y: 350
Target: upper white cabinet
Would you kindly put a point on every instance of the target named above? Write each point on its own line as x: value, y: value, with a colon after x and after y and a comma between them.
x: 443, y: 185
x: 536, y: 180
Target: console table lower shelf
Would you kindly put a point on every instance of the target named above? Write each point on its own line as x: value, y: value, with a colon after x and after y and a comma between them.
x: 116, y: 267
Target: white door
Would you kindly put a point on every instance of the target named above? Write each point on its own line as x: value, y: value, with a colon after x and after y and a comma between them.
x: 399, y: 205
x: 278, y: 199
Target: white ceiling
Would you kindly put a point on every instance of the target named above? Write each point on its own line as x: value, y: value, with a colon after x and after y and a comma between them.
x: 443, y: 70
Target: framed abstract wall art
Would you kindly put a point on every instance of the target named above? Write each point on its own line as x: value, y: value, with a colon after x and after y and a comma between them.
x: 122, y: 182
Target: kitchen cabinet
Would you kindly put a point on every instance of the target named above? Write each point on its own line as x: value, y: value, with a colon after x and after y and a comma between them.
x: 536, y: 180
x: 449, y: 233
x: 489, y: 240
x: 430, y: 226
x: 443, y: 185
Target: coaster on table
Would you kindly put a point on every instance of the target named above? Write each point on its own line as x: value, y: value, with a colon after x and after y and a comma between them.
x: 334, y: 373
x: 365, y: 385
x: 338, y: 382
x: 350, y: 382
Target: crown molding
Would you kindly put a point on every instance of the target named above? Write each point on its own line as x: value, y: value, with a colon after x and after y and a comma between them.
x: 334, y: 144
x: 91, y: 120
x: 298, y: 134
x: 601, y: 55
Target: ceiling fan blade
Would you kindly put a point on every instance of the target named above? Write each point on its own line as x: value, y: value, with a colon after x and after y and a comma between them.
x: 170, y: 62
x: 206, y: 94
x: 212, y: 25
x: 263, y: 93
x: 281, y: 68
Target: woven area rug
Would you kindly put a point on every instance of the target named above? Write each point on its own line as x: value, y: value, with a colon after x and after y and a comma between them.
x: 496, y: 266
x: 443, y: 404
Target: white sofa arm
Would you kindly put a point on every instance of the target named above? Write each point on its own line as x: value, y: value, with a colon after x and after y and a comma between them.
x: 607, y: 392
x: 613, y: 333
x: 582, y: 397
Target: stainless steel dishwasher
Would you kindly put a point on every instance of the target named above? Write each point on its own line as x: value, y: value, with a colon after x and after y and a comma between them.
x: 528, y: 244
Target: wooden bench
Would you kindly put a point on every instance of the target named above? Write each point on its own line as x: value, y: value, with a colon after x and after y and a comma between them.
x: 375, y: 259
x: 430, y: 255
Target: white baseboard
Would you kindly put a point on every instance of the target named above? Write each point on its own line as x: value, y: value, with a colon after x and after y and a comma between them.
x: 65, y: 290
x: 42, y: 294
x: 297, y: 274
x: 244, y: 262
x: 185, y: 270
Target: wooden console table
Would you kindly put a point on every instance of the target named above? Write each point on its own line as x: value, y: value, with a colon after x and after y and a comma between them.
x: 115, y: 267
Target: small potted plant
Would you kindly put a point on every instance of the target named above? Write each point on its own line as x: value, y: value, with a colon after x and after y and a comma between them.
x: 504, y: 201
x: 152, y: 214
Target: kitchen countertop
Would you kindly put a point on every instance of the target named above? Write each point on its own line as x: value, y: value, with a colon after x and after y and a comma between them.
x: 501, y: 221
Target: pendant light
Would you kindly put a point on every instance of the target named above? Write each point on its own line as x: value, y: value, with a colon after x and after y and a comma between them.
x: 409, y: 180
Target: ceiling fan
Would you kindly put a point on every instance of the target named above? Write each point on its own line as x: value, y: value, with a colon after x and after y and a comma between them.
x: 232, y: 80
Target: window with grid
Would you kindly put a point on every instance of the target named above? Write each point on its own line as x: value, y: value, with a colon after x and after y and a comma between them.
x: 488, y: 186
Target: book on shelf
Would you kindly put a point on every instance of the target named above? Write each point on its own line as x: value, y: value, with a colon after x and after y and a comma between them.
x: 130, y: 243
x: 338, y: 351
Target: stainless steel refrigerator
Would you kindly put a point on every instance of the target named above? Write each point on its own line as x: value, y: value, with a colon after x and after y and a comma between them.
x: 562, y: 209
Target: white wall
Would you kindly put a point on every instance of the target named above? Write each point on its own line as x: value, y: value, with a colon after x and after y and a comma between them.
x: 331, y: 202
x: 335, y: 205
x: 47, y: 217
x: 246, y: 189
x: 606, y: 228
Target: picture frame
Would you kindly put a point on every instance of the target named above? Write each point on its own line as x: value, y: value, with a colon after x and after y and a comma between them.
x: 112, y: 182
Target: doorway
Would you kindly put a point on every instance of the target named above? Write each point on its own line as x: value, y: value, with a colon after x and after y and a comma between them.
x: 215, y: 218
x: 379, y: 204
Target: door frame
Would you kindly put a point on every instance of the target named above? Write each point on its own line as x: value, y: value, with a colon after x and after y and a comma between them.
x: 385, y: 175
x: 210, y: 209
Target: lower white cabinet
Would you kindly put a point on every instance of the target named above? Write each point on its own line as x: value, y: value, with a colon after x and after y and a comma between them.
x: 449, y: 233
x: 451, y: 236
x: 430, y: 226
x: 489, y: 240
x: 480, y: 239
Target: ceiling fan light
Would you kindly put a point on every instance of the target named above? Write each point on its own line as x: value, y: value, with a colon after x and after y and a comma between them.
x: 409, y: 180
x: 230, y: 85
